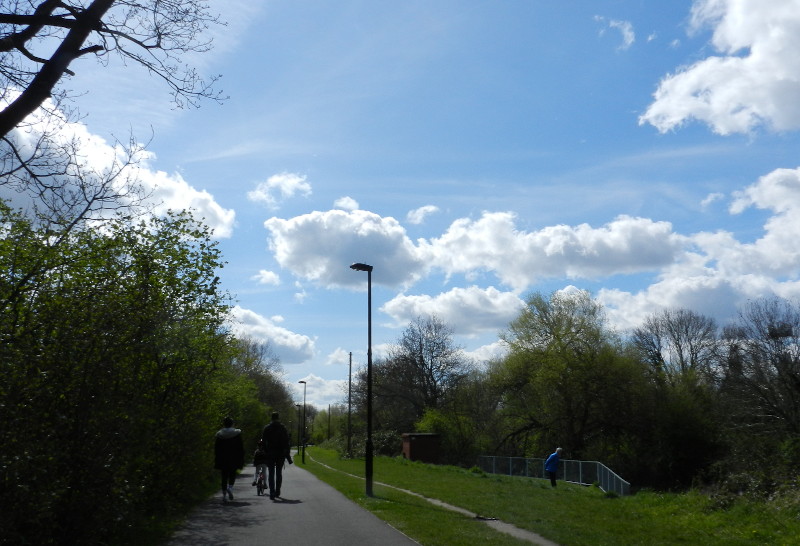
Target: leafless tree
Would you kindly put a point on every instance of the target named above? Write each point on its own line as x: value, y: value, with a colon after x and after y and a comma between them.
x: 420, y: 371
x: 762, y: 379
x: 42, y: 166
x: 678, y: 343
x: 40, y: 40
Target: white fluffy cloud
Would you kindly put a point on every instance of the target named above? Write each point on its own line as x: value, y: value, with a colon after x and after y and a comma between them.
x: 346, y: 203
x: 163, y: 191
x: 487, y: 353
x: 320, y: 246
x: 289, y: 347
x: 319, y: 391
x: 717, y: 272
x: 710, y: 272
x: 467, y: 310
x: 493, y: 242
x: 267, y: 277
x: 338, y: 357
x: 417, y: 216
x: 279, y: 187
x: 754, y: 82
x: 172, y: 192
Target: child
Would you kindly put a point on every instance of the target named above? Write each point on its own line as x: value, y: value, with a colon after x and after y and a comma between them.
x: 259, y: 461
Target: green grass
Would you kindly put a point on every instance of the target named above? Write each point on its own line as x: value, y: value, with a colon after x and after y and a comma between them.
x: 568, y: 515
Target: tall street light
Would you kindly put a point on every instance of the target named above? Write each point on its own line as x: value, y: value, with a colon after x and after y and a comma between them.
x: 350, y: 408
x: 298, y: 427
x: 304, y: 422
x: 368, y: 455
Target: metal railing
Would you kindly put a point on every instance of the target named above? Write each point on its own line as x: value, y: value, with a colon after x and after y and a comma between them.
x: 581, y: 472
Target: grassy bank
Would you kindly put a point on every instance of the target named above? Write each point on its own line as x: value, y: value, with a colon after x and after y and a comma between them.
x: 568, y: 515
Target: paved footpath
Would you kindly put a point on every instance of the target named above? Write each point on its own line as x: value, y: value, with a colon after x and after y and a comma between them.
x: 309, y: 512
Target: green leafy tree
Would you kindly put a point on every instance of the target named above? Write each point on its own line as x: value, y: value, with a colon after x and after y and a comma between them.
x: 111, y: 342
x: 469, y: 424
x: 567, y: 380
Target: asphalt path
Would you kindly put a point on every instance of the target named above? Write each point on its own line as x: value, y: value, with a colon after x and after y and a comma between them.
x: 309, y: 511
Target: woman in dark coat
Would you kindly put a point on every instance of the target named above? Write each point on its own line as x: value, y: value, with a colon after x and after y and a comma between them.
x: 228, y: 456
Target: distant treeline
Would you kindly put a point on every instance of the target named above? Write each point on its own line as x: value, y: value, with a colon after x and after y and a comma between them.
x: 674, y: 403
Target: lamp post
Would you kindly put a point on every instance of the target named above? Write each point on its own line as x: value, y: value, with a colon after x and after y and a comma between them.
x: 350, y: 407
x: 298, y: 427
x: 303, y: 457
x: 368, y: 455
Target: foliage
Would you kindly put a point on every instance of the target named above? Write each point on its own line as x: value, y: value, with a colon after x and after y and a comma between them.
x: 114, y: 367
x: 565, y: 379
x: 672, y: 405
x: 423, y: 370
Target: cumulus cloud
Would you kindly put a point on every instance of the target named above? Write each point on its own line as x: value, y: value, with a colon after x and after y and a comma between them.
x: 267, y: 277
x: 321, y: 392
x: 519, y: 259
x: 710, y: 272
x: 777, y: 252
x: 487, y: 353
x: 417, y: 216
x: 320, y: 246
x: 755, y: 81
x: 717, y: 272
x: 705, y: 292
x: 345, y: 203
x: 278, y: 188
x: 97, y: 157
x: 288, y: 346
x: 172, y: 192
x: 337, y: 357
x: 467, y: 310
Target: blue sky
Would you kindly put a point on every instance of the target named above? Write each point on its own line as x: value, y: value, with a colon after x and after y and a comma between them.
x: 473, y: 152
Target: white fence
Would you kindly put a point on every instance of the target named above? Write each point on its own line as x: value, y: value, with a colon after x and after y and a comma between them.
x: 582, y: 472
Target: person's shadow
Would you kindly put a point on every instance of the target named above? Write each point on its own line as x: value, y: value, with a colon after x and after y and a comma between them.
x: 281, y: 500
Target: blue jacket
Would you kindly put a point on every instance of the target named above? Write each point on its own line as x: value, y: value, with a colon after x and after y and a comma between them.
x: 551, y: 464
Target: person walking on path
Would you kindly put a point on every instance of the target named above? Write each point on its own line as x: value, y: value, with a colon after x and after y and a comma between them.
x: 259, y: 462
x: 551, y: 465
x: 228, y: 456
x: 276, y: 444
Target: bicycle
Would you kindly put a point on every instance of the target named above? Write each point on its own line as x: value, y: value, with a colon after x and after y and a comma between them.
x: 261, y: 482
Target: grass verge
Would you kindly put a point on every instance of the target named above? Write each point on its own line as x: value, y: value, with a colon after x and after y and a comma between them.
x: 568, y: 515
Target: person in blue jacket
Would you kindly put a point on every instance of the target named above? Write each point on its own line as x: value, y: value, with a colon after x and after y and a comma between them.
x: 551, y: 465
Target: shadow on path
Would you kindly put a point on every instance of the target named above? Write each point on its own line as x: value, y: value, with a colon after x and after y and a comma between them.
x: 312, y: 513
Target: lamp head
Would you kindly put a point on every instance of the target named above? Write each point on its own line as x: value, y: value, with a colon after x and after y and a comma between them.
x: 361, y: 267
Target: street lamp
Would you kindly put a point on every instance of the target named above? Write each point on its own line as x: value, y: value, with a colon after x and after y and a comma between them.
x: 304, y: 422
x: 368, y: 455
x: 350, y: 408
x: 298, y: 427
